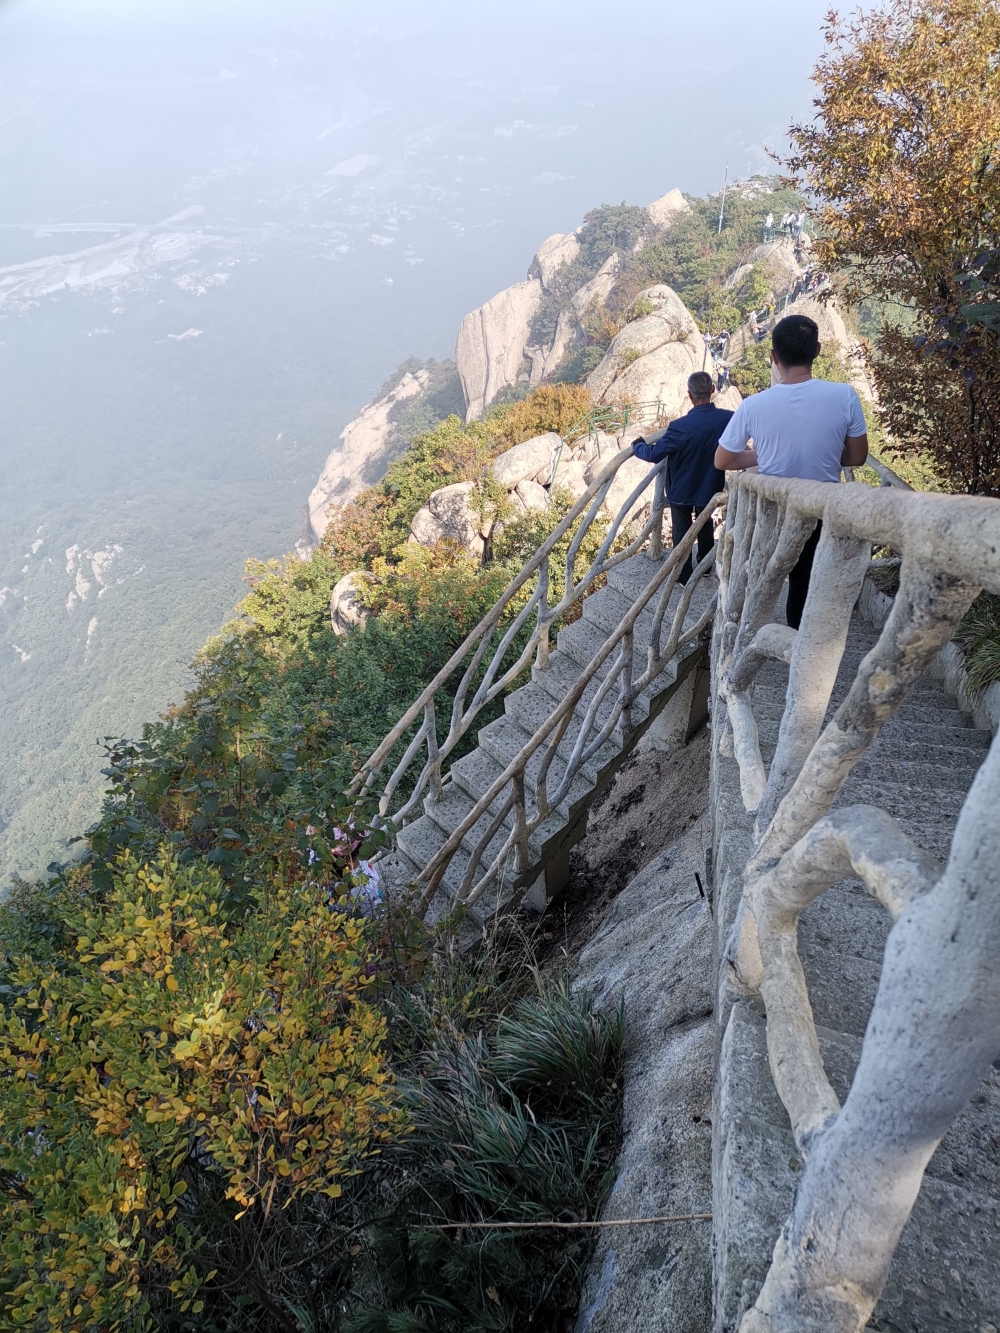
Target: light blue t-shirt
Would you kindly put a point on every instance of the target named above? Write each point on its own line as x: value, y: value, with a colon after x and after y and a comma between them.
x: 798, y: 430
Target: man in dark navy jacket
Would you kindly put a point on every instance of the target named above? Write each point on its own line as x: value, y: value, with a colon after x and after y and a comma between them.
x: 688, y: 444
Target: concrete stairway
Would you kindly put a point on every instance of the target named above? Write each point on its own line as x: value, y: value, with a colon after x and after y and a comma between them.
x: 946, y: 1270
x: 525, y: 709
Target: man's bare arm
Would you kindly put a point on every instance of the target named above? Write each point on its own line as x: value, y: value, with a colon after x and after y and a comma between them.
x: 855, y: 450
x: 727, y: 461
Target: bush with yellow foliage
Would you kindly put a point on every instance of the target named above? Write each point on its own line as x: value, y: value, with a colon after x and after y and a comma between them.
x: 167, y: 1042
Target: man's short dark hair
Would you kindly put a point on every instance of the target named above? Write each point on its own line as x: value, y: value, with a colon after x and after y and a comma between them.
x: 700, y: 384
x: 795, y: 340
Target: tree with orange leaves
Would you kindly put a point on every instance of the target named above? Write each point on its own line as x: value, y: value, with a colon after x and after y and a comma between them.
x: 903, y: 157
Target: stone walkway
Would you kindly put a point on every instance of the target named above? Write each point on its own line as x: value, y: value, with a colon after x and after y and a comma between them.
x: 704, y: 1129
x: 946, y: 1271
x: 525, y: 709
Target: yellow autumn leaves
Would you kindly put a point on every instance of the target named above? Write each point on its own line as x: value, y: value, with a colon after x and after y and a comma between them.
x: 166, y: 1047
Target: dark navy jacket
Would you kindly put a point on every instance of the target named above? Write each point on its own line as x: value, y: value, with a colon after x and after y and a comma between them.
x: 689, y: 445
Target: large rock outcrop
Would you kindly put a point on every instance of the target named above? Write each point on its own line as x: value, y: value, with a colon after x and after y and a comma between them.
x: 651, y: 358
x: 494, y: 349
x: 669, y: 206
x: 529, y: 495
x: 653, y: 953
x: 625, y: 480
x: 545, y: 361
x: 552, y: 254
x: 526, y: 461
x: 449, y: 515
x: 781, y: 260
x: 347, y: 611
x: 489, y: 352
x: 648, y: 361
x: 366, y: 450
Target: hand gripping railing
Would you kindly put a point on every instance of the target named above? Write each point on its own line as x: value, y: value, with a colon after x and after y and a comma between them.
x: 483, y: 678
x: 935, y: 1026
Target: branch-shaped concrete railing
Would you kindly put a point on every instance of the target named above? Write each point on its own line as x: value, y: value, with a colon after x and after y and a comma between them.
x: 935, y: 1026
x: 484, y: 670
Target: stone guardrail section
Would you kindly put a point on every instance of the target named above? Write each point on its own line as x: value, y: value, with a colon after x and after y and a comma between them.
x: 933, y: 1030
x: 500, y: 829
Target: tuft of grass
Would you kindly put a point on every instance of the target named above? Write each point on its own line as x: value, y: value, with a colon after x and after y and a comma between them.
x: 510, y: 1121
x: 558, y: 1046
x: 978, y: 636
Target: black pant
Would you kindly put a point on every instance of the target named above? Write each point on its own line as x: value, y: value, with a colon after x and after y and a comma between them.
x: 798, y: 580
x: 681, y: 519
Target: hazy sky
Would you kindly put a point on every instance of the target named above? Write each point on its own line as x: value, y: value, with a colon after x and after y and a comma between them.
x: 120, y: 104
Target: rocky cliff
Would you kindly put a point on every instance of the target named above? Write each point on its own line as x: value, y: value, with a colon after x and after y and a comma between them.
x: 495, y: 353
x: 569, y: 319
x: 495, y: 350
x: 365, y: 451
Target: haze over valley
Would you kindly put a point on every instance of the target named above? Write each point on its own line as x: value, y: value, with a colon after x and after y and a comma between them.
x: 222, y: 229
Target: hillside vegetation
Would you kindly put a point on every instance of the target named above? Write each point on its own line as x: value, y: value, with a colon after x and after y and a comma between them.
x: 239, y: 1098
x: 311, y: 1065
x: 693, y: 256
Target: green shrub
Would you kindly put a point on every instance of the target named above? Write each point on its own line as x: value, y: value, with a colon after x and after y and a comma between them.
x: 610, y: 229
x: 752, y: 373
x: 979, y: 638
x: 576, y: 368
x: 500, y: 1134
x: 692, y: 256
x: 558, y: 1047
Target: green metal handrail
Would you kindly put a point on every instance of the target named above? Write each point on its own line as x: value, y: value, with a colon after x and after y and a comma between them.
x: 606, y: 419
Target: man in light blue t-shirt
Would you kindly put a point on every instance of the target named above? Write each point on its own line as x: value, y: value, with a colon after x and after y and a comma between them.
x: 800, y: 427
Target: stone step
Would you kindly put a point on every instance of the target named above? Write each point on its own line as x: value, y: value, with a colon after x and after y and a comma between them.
x: 932, y: 733
x: 525, y: 710
x: 397, y: 873
x: 455, y: 803
x: 584, y: 639
x: 421, y: 839
x: 577, y: 645
x: 896, y: 755
x: 920, y: 774
x: 921, y: 696
x: 899, y: 801
x: 474, y: 774
x: 448, y: 812
x: 581, y: 642
x: 919, y: 701
x: 631, y: 577
x: 607, y: 607
x: 503, y: 740
x: 531, y: 706
x: 943, y: 1274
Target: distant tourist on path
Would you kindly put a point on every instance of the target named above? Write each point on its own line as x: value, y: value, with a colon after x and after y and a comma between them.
x: 689, y: 445
x: 800, y: 427
x: 754, y: 326
x: 800, y: 226
x: 769, y: 227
